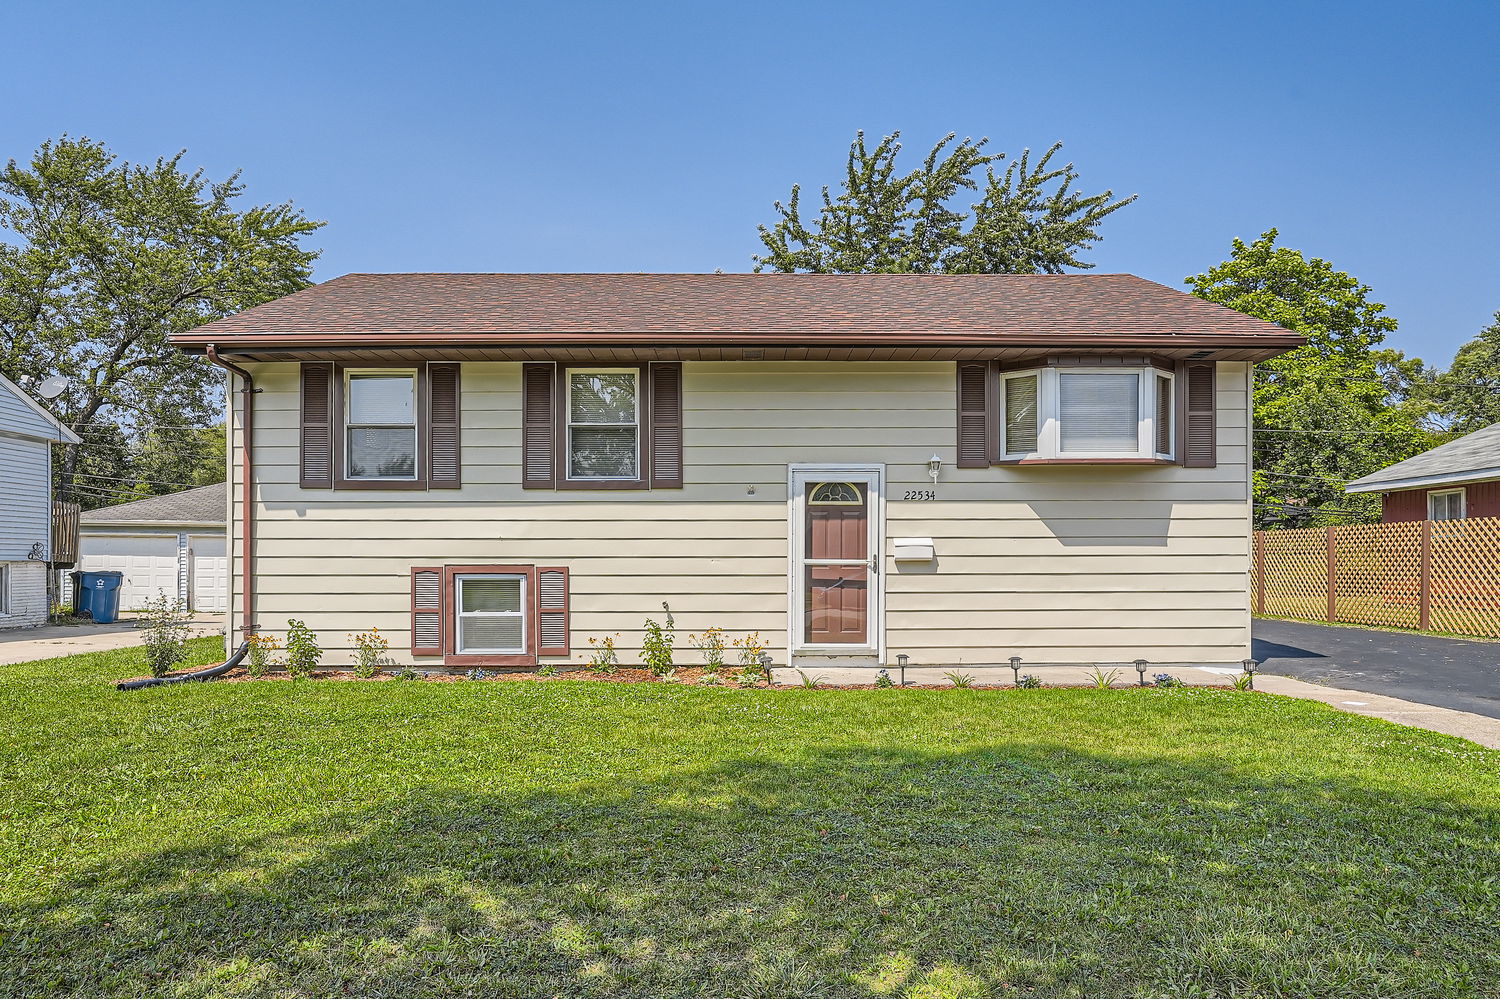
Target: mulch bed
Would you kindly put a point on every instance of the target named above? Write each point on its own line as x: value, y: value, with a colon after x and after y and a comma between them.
x: 687, y: 676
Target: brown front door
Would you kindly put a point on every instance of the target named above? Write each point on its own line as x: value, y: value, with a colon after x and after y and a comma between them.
x: 837, y: 564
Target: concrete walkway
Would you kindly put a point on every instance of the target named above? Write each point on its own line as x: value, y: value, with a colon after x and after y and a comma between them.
x: 23, y: 645
x: 1464, y: 724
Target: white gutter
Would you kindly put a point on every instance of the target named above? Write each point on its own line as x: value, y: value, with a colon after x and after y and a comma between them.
x: 1423, y: 481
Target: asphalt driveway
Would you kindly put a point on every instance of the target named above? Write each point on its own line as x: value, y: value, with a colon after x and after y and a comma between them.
x: 1446, y: 672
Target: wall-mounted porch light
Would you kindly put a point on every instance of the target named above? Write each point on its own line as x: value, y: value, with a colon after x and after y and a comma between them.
x: 934, y: 465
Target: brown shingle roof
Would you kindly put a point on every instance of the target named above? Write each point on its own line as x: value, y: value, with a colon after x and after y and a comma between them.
x: 555, y: 308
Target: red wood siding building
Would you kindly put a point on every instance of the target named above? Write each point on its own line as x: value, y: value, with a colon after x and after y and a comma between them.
x: 1481, y: 499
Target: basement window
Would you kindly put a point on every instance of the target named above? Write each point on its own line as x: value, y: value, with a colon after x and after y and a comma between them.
x: 491, y: 614
x: 1087, y: 413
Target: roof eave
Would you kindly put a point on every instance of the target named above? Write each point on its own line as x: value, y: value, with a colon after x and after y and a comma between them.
x: 1425, y: 481
x: 1271, y: 343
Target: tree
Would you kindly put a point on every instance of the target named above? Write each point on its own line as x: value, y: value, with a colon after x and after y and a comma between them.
x: 1468, y: 393
x: 1333, y: 410
x: 1028, y: 219
x: 100, y: 262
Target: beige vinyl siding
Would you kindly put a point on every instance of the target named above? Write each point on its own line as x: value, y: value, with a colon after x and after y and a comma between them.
x: 1052, y: 563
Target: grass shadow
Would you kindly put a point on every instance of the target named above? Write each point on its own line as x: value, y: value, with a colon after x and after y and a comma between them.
x: 844, y: 872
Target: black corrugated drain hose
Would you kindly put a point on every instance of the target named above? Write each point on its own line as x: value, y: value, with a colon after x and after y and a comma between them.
x: 201, y: 675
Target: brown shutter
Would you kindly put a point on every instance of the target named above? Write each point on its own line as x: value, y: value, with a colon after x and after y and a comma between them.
x: 427, y: 611
x: 552, y: 611
x: 443, y: 454
x: 538, y: 428
x: 978, y: 432
x: 317, y: 426
x: 666, y: 426
x: 1199, y: 431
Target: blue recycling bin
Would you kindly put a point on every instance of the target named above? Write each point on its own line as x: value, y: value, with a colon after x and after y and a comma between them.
x: 99, y: 595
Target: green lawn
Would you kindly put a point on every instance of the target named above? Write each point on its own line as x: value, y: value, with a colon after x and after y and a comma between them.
x: 572, y: 838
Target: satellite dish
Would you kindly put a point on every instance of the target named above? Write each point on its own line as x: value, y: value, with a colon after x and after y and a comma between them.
x: 52, y: 387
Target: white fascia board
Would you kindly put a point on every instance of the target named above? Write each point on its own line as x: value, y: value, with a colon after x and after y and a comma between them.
x: 1425, y: 481
x: 46, y: 414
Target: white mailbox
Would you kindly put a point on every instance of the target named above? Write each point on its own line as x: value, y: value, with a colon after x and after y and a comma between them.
x: 914, y: 550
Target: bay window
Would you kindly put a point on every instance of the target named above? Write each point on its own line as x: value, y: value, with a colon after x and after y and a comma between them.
x: 1087, y: 412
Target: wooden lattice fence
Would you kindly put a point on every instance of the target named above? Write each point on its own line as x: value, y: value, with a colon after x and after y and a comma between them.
x: 1429, y: 575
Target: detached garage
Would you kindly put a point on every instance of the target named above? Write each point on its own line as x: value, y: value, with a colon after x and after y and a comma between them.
x: 171, y: 544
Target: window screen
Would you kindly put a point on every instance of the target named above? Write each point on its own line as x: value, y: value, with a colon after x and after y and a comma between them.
x: 1099, y: 413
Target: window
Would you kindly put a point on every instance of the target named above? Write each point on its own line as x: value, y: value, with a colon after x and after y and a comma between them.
x: 1021, y: 422
x: 588, y: 427
x: 1098, y: 413
x: 1078, y: 412
x: 835, y: 494
x: 491, y: 614
x: 4, y: 589
x: 380, y: 420
x: 604, y: 423
x: 1447, y: 504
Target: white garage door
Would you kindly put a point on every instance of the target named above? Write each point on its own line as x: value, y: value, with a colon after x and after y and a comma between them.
x: 210, y: 574
x: 149, y: 563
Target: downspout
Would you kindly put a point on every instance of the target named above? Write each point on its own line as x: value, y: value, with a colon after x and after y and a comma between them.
x: 247, y: 521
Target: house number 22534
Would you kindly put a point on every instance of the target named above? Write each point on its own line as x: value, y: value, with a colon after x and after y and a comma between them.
x: 921, y: 494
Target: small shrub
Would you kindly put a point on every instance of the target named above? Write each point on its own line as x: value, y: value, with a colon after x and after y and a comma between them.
x: 748, y: 677
x: 166, y: 634
x: 406, y: 673
x: 302, y: 650
x: 1103, y: 680
x: 711, y: 679
x: 262, y: 654
x: 883, y: 679
x: 604, y: 658
x: 809, y: 682
x: 548, y: 670
x: 710, y: 646
x: 476, y: 674
x: 1244, y: 681
x: 656, y: 647
x: 1166, y: 680
x: 370, y: 649
x: 1028, y: 682
x: 964, y: 680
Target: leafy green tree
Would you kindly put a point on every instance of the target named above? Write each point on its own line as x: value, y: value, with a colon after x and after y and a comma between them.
x: 1468, y: 393
x: 100, y: 262
x: 1333, y: 410
x: 1029, y: 219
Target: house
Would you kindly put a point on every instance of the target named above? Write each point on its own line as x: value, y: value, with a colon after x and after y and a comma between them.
x: 493, y: 468
x: 1454, y: 480
x: 28, y: 542
x: 172, y: 544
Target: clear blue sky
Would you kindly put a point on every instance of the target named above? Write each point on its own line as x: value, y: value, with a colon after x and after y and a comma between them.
x: 638, y: 136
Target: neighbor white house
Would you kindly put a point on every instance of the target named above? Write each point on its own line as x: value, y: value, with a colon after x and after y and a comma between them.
x: 27, y: 432
x: 493, y: 468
